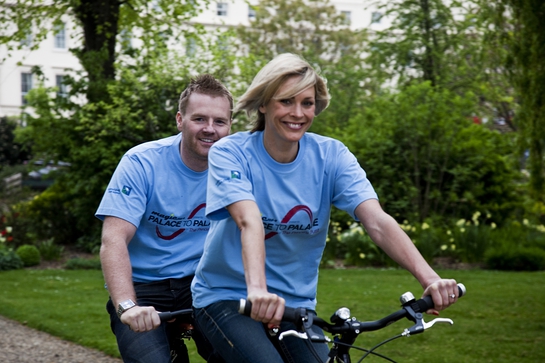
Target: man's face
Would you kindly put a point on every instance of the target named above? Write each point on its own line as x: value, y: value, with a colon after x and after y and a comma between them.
x: 206, y: 120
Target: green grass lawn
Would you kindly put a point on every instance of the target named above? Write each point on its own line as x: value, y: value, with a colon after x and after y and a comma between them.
x: 502, y: 318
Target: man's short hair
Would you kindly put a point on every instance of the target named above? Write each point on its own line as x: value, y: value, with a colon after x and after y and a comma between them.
x: 207, y: 85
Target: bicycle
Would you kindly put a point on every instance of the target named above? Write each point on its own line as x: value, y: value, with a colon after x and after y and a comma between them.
x: 184, y: 320
x: 345, y: 329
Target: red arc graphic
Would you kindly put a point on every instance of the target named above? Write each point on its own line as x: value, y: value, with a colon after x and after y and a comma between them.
x: 289, y: 215
x: 180, y: 231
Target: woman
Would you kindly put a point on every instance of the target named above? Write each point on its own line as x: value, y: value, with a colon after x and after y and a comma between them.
x: 269, y: 196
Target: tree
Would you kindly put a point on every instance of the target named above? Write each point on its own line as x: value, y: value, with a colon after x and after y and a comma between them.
x: 426, y: 158
x: 521, y: 27
x: 11, y: 152
x: 429, y: 40
x: 100, y: 22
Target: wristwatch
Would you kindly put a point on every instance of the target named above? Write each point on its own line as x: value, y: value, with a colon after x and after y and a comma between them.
x: 124, y: 306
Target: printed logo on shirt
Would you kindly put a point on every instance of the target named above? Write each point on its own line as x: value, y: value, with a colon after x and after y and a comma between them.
x: 192, y: 223
x: 290, y: 225
x: 235, y: 174
x: 126, y: 190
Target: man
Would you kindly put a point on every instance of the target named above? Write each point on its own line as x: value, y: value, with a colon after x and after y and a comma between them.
x: 154, y: 226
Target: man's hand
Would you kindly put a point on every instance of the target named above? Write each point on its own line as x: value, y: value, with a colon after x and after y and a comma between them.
x: 141, y: 318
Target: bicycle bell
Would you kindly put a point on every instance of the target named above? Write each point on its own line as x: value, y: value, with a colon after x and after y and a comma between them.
x: 406, y: 297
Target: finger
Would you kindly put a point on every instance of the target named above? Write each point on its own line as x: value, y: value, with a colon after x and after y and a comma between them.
x: 279, y: 312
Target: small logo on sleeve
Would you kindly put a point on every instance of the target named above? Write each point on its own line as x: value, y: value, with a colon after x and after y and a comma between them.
x: 126, y: 190
x: 235, y: 174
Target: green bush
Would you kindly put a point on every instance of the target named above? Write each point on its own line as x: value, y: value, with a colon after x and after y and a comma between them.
x: 83, y: 264
x: 354, y: 247
x: 9, y: 260
x: 516, y: 259
x: 49, y: 250
x: 29, y: 254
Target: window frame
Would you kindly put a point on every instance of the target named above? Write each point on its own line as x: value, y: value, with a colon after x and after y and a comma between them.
x: 26, y: 85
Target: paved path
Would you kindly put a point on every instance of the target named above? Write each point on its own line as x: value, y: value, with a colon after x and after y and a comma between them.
x: 21, y: 344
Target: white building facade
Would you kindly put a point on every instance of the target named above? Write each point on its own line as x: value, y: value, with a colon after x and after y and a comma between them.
x: 54, y: 58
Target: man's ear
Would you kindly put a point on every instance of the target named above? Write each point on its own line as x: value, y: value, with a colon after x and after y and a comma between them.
x: 179, y: 121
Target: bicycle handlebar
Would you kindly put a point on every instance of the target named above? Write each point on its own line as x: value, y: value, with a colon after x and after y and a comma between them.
x: 169, y: 315
x: 411, y: 308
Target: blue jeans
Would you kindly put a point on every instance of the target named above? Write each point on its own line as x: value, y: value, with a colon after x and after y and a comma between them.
x: 162, y: 345
x: 238, y: 338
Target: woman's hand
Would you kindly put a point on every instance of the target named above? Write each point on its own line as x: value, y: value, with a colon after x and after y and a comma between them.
x: 267, y: 308
x: 444, y: 292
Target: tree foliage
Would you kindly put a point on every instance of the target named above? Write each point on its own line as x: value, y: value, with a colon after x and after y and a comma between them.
x: 448, y: 44
x: 429, y: 40
x: 426, y: 158
x: 97, y: 25
x: 520, y: 25
x: 11, y: 152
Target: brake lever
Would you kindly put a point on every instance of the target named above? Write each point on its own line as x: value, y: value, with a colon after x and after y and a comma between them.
x: 313, y: 338
x: 436, y: 320
x: 421, y: 325
x: 292, y: 333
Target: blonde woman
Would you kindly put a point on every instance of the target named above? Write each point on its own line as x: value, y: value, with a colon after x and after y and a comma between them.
x: 269, y: 196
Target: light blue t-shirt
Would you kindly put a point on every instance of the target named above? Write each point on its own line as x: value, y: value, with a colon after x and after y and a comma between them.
x: 294, y: 200
x: 154, y: 190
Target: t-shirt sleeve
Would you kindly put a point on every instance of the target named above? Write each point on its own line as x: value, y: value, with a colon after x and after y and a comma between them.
x: 126, y: 194
x: 229, y: 180
x: 351, y: 186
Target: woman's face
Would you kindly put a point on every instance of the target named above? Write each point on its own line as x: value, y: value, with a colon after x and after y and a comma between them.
x: 287, y: 120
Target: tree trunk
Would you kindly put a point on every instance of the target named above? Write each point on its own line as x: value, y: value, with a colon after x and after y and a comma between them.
x: 99, y: 20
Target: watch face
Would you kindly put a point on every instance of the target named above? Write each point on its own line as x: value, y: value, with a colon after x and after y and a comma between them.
x: 126, y: 304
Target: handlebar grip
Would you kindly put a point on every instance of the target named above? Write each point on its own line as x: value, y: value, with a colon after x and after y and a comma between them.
x: 166, y: 316
x: 426, y: 302
x: 290, y: 314
x: 169, y: 315
x: 244, y: 307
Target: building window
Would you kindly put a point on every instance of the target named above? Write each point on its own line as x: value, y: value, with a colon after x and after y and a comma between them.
x: 60, y: 36
x: 376, y: 16
x: 347, y: 15
x: 27, y: 40
x: 26, y: 85
x: 62, y: 88
x: 222, y: 9
x: 251, y: 13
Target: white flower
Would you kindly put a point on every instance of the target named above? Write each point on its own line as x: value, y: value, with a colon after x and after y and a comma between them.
x: 9, y: 229
x: 443, y: 247
x: 362, y: 255
x: 425, y: 226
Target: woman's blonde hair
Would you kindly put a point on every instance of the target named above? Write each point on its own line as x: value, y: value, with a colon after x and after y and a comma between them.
x: 271, y: 77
